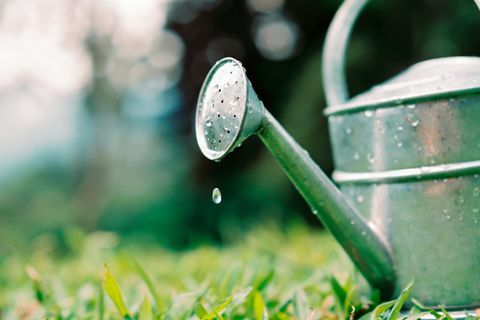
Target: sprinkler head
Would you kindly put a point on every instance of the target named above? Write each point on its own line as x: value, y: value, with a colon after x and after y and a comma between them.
x: 228, y: 110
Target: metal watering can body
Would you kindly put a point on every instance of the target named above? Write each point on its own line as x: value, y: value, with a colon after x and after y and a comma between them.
x: 407, y: 156
x: 407, y: 159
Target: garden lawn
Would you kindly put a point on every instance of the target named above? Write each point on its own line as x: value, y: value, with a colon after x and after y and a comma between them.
x: 268, y: 274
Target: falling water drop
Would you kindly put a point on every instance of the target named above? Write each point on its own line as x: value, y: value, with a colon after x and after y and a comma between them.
x: 216, y: 196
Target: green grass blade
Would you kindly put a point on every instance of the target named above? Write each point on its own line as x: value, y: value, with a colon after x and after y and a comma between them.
x: 200, y: 310
x: 113, y: 290
x: 445, y: 313
x: 339, y: 292
x: 150, y: 286
x: 145, y: 312
x: 217, y: 311
x: 101, y: 303
x: 266, y: 280
x: 400, y: 301
x: 259, y: 307
x: 379, y: 310
x: 429, y: 310
x: 34, y: 277
x: 300, y: 305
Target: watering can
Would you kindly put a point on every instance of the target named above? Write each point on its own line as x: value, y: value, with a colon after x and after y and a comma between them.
x: 404, y: 202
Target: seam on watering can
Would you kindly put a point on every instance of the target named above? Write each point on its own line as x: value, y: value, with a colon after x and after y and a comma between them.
x: 353, y: 107
x: 420, y: 173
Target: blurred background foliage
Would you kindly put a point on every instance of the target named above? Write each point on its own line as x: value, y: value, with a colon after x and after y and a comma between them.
x: 97, y: 103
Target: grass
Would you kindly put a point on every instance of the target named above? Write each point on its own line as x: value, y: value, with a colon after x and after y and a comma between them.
x: 267, y: 274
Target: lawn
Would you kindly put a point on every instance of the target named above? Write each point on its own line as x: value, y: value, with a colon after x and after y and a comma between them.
x: 298, y: 273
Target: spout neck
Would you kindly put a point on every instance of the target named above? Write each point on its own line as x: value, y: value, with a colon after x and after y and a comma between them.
x: 361, y: 242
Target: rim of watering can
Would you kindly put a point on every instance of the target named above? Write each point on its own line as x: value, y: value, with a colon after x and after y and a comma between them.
x: 358, y: 106
x: 441, y: 171
x: 207, y: 152
x: 334, y: 75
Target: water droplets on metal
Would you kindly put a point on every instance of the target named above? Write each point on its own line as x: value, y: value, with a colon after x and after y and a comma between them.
x: 447, y: 214
x: 413, y: 120
x: 221, y: 108
x: 370, y: 158
x: 369, y: 113
x: 216, y: 196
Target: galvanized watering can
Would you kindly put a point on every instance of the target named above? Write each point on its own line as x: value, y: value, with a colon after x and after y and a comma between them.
x: 407, y: 157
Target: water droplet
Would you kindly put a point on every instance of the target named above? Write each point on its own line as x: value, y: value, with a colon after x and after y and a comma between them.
x: 360, y: 199
x: 356, y: 156
x: 216, y: 196
x: 411, y: 106
x: 369, y: 113
x: 476, y: 191
x: 364, y: 233
x: 348, y: 131
x: 400, y: 144
x: 447, y: 216
x: 400, y: 128
x: 370, y: 158
x: 314, y: 211
x: 208, y: 123
x: 413, y: 120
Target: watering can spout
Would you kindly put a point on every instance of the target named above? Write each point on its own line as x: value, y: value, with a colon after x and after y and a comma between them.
x: 229, y: 111
x: 360, y: 239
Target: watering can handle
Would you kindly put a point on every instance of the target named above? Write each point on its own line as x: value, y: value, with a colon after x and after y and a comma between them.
x: 334, y: 51
x: 335, y: 48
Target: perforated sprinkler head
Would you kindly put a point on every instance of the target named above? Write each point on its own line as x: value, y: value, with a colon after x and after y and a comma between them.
x: 228, y: 109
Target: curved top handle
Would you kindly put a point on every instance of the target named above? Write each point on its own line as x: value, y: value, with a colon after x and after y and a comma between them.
x: 334, y: 50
